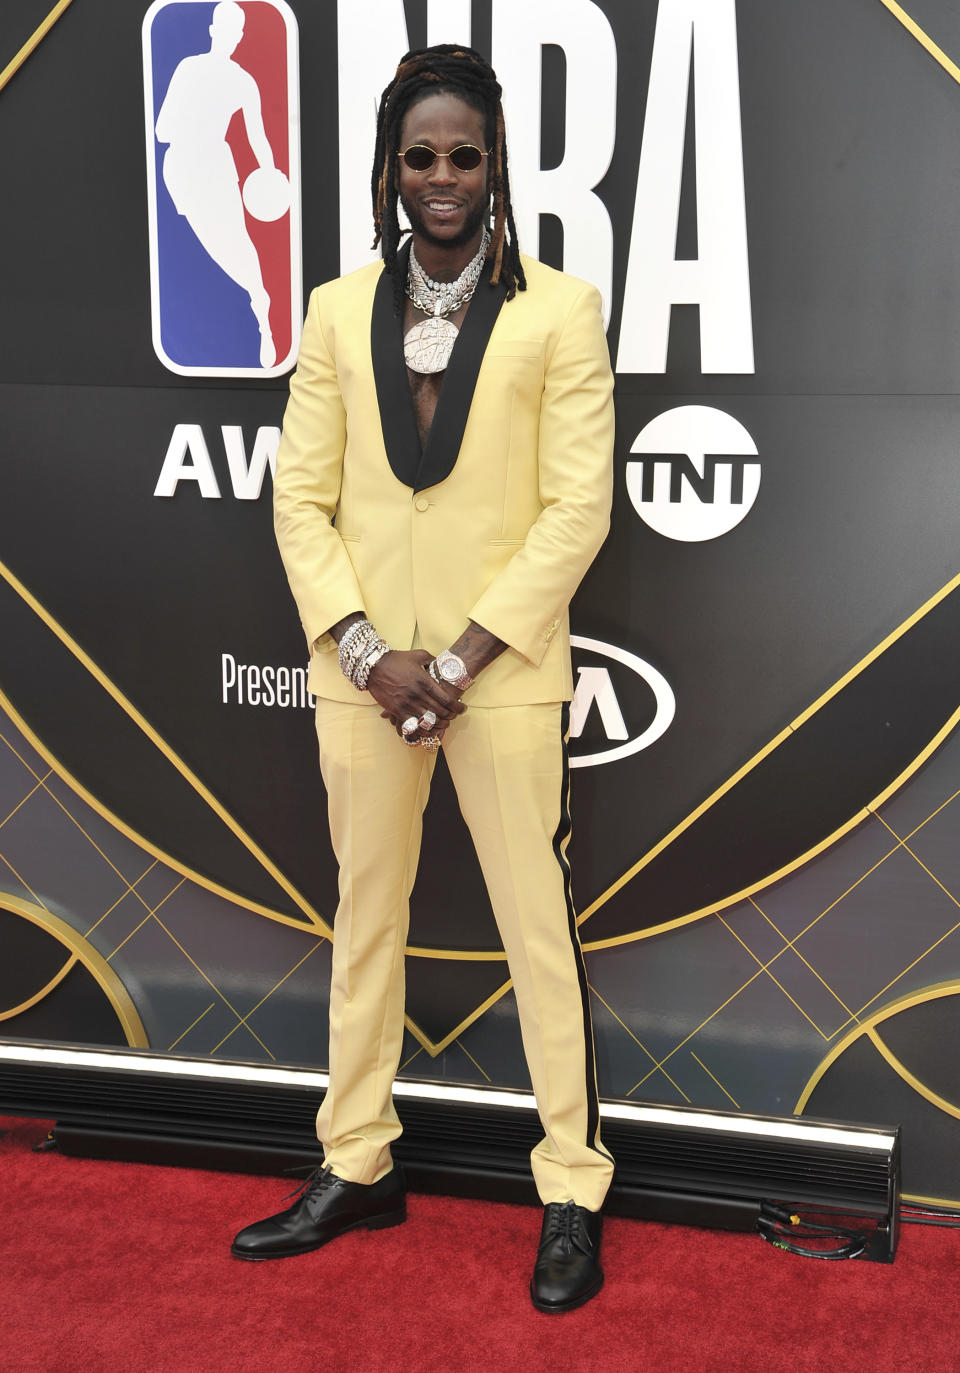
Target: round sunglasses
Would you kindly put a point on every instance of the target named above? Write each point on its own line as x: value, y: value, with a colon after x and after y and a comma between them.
x: 465, y: 157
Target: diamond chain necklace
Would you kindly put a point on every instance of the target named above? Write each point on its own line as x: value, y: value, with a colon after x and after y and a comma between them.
x: 445, y: 297
x: 428, y: 343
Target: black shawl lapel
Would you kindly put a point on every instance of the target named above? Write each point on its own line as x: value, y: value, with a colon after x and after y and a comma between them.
x: 397, y: 418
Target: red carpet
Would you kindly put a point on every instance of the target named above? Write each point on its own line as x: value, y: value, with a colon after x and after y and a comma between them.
x: 113, y: 1266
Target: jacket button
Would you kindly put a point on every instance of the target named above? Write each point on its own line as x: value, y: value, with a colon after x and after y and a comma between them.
x: 422, y: 503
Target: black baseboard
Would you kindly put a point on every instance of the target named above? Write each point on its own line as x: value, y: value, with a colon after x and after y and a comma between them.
x: 681, y: 1165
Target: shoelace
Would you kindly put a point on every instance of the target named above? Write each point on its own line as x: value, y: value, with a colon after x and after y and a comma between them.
x: 317, y: 1181
x: 567, y: 1225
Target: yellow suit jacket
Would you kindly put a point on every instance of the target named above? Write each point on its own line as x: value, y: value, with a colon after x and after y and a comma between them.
x: 500, y: 516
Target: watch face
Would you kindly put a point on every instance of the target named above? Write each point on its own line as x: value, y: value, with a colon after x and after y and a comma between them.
x: 449, y: 669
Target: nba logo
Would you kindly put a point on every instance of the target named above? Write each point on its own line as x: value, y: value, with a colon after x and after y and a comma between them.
x: 221, y: 102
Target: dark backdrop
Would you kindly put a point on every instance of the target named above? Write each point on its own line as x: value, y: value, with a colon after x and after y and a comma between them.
x: 770, y: 879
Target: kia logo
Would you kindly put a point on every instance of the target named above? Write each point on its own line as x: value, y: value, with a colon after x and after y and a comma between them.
x: 603, y: 693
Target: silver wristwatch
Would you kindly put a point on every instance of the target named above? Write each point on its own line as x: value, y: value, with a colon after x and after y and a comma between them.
x: 452, y: 670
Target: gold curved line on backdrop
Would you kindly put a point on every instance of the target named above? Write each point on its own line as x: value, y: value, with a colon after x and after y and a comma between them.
x: 319, y: 926
x: 33, y: 42
x: 880, y: 799
x: 802, y: 859
x: 434, y: 1049
x: 949, y: 1202
x: 911, y: 1079
x: 422, y: 1039
x: 922, y: 38
x: 174, y: 863
x: 95, y: 964
x: 456, y: 955
x: 171, y: 756
x: 868, y: 1027
x: 498, y: 955
x: 749, y: 766
x: 762, y: 882
x: 42, y: 993
x: 76, y: 786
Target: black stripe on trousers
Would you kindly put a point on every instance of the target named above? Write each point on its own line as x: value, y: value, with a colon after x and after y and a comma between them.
x: 562, y: 834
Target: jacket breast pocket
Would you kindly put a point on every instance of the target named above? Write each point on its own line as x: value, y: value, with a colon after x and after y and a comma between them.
x: 515, y: 348
x: 512, y: 375
x: 515, y: 362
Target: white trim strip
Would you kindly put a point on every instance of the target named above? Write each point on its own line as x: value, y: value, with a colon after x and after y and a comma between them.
x: 851, y: 1136
x: 107, y: 1061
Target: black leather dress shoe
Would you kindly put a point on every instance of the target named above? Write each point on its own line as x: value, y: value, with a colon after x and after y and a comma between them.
x: 567, y: 1272
x: 326, y: 1206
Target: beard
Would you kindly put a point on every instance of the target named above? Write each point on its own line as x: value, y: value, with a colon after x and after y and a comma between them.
x: 471, y: 226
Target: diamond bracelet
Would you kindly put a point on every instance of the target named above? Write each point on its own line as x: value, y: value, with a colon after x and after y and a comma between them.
x: 358, y: 652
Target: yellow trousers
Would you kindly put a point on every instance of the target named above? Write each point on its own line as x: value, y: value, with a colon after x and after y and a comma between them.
x: 508, y: 765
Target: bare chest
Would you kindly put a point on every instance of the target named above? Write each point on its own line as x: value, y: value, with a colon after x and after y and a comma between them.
x: 425, y: 386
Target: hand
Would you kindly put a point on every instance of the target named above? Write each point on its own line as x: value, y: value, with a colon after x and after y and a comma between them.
x: 400, y: 683
x: 432, y: 738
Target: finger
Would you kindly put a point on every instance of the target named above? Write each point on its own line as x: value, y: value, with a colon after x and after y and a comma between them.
x: 437, y: 691
x: 426, y: 706
x: 445, y: 705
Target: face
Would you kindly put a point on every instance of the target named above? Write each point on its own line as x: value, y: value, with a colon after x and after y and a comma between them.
x: 446, y: 207
x: 226, y: 29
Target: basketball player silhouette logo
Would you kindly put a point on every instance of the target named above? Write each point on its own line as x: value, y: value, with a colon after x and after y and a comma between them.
x: 210, y: 140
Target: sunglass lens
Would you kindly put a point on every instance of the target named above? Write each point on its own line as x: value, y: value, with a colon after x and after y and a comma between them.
x: 466, y: 158
x: 418, y: 159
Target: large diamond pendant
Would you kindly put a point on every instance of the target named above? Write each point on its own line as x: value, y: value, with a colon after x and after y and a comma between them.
x: 428, y: 344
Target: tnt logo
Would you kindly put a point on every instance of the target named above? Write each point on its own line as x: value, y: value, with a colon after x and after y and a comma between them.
x: 699, y: 475
x: 221, y: 104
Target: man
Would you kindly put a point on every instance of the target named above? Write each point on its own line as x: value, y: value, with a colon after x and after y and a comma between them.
x: 443, y: 482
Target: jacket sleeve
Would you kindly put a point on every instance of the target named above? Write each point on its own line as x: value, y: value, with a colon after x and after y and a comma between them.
x: 307, y: 487
x: 524, y: 603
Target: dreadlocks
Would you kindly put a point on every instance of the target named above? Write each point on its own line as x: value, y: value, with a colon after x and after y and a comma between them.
x: 446, y: 68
